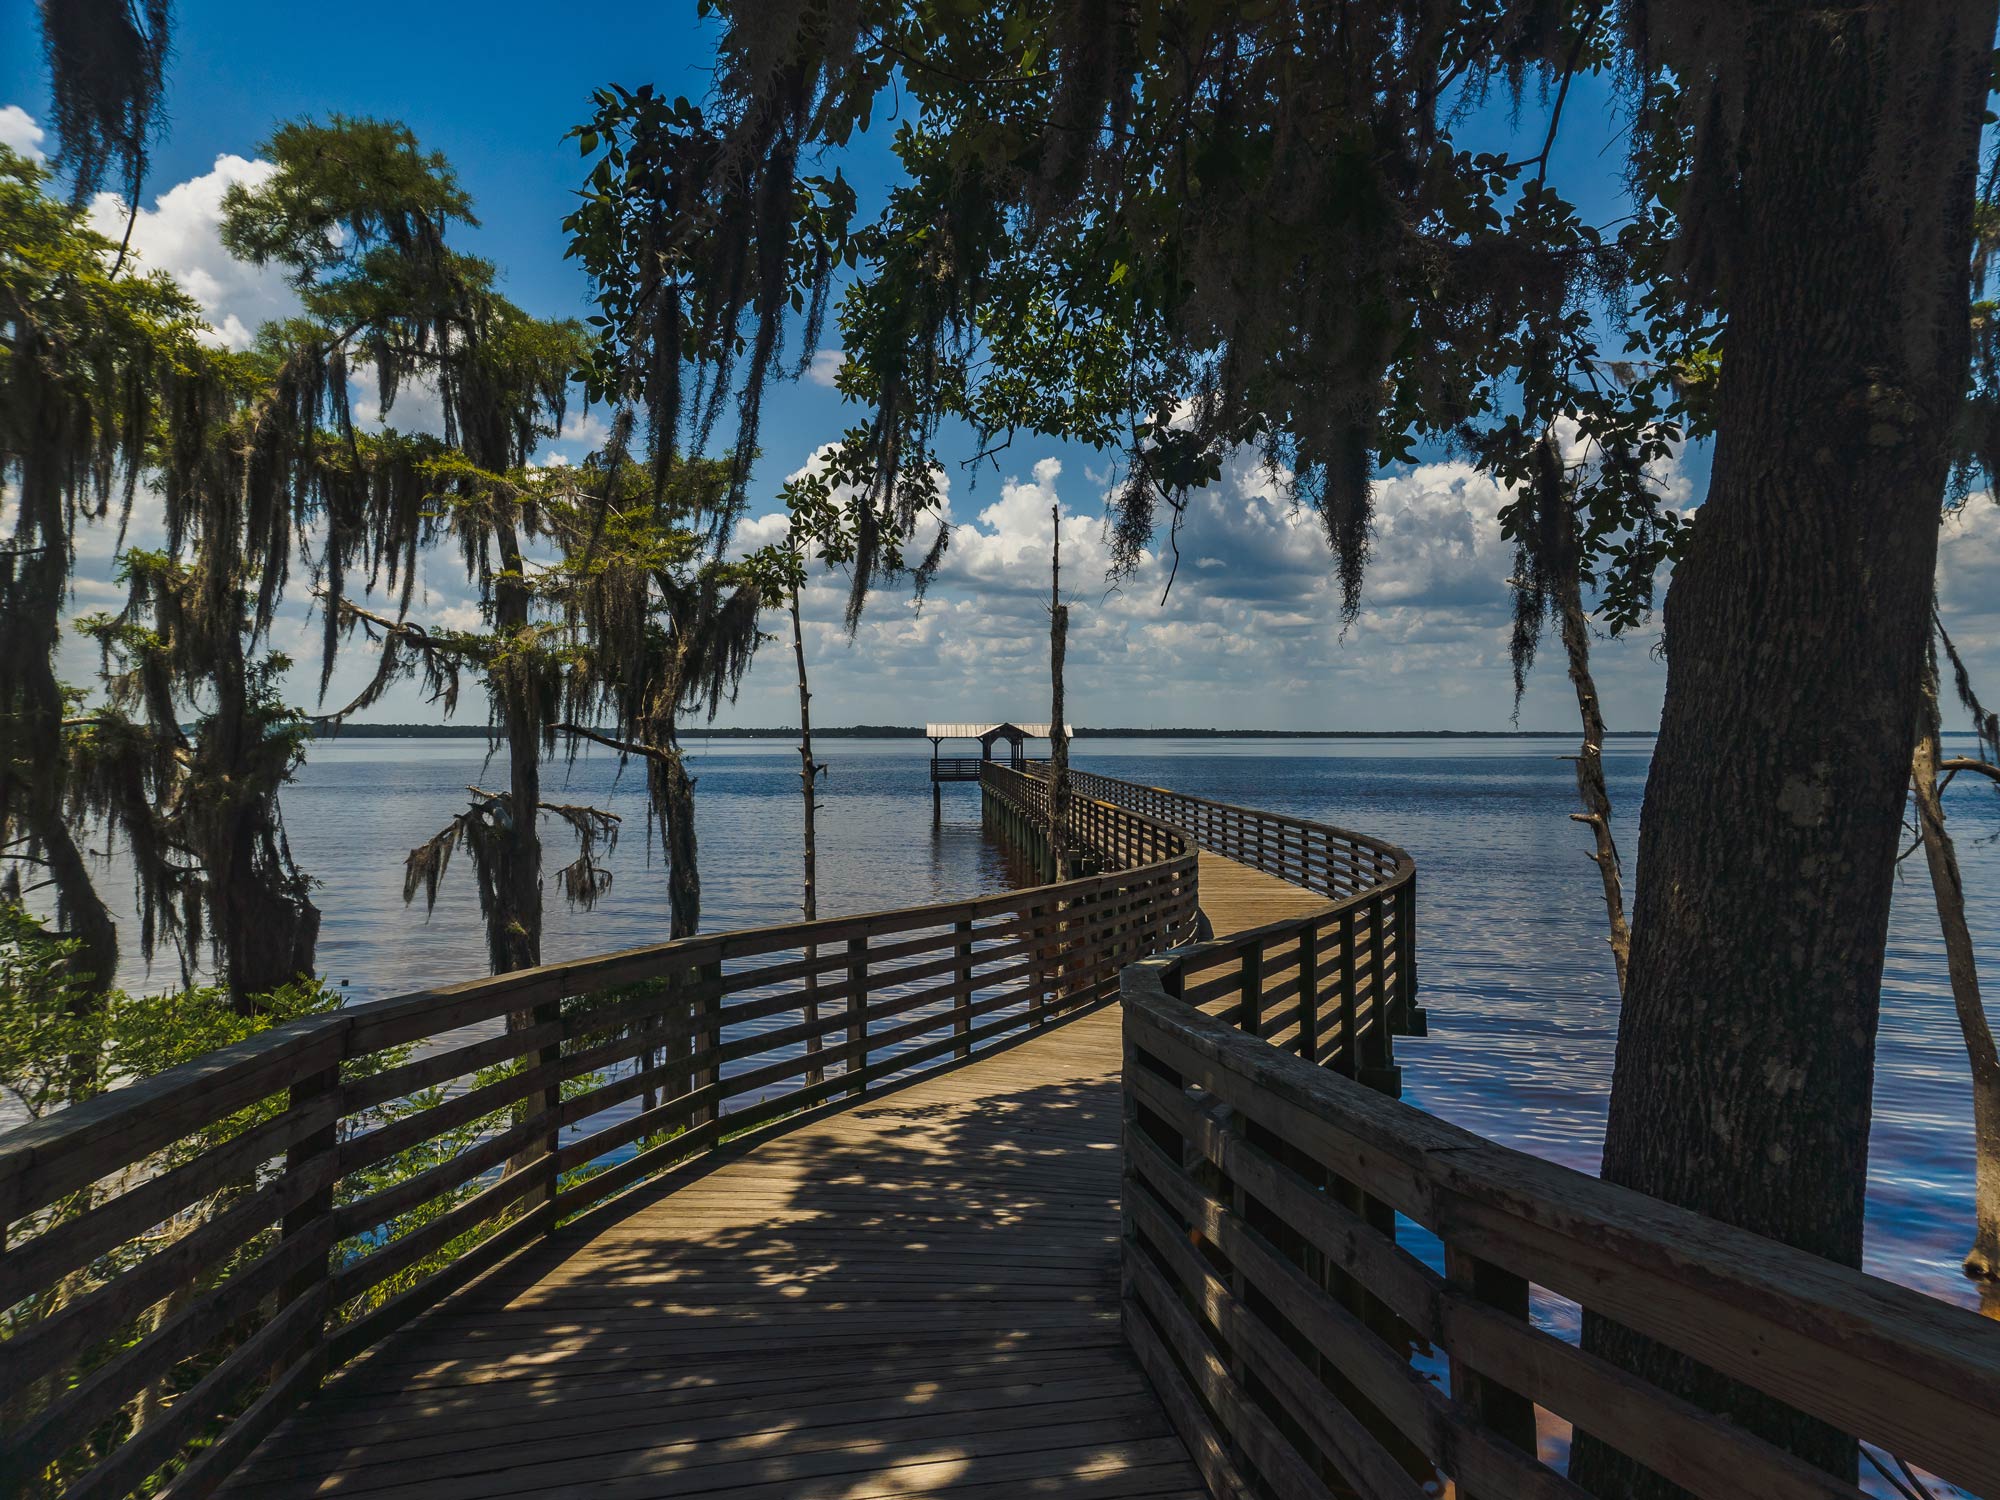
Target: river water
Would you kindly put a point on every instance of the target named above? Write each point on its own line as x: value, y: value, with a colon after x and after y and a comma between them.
x: 1512, y: 960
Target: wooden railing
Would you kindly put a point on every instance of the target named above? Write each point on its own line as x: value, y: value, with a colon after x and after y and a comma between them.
x: 1317, y: 856
x: 1303, y: 1352
x: 1317, y: 984
x: 969, y: 767
x: 186, y: 1257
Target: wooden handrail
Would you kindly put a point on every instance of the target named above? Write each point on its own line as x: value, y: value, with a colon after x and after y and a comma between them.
x: 249, y: 1220
x: 1372, y: 887
x: 1267, y: 1295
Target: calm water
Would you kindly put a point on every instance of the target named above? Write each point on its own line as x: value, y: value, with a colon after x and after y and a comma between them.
x: 1513, y: 965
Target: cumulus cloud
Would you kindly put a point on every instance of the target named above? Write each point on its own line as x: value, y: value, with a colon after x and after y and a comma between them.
x: 181, y: 234
x: 582, y: 434
x: 418, y: 407
x: 1250, y: 632
x: 20, y: 134
x: 825, y: 367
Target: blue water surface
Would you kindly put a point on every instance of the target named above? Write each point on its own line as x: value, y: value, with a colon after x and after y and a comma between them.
x: 1513, y: 965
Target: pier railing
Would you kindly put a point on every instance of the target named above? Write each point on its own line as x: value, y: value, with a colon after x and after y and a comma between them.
x: 1316, y: 984
x: 1305, y: 1348
x: 184, y: 1258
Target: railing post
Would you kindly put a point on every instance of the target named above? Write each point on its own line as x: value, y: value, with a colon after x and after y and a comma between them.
x: 550, y: 1056
x: 1414, y: 1021
x: 1347, y: 1061
x: 1508, y: 1415
x: 857, y: 1005
x: 1040, y: 921
x: 1379, y: 1070
x: 1251, y: 1016
x: 706, y: 1024
x: 1309, y: 993
x: 962, y: 988
x: 310, y: 1217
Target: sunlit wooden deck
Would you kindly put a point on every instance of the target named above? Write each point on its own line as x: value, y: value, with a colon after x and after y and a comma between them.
x: 1236, y: 898
x: 917, y: 1295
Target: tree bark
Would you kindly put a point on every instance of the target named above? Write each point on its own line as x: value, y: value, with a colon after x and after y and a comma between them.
x: 514, y: 918
x: 809, y: 770
x: 265, y: 928
x: 1982, y: 1262
x: 676, y: 802
x: 1795, y: 629
x: 514, y: 926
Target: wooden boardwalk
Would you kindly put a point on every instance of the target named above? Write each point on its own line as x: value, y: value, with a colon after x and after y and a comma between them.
x: 1236, y: 898
x: 917, y: 1295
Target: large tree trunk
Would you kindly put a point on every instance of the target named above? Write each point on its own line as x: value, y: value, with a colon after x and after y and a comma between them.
x: 270, y: 931
x: 265, y: 935
x: 514, y: 925
x: 1795, y: 630
x: 674, y: 796
x: 1948, y: 890
x: 266, y: 928
x: 514, y: 917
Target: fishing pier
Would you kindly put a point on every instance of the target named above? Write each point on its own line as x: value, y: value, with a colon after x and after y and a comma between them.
x: 1098, y: 1188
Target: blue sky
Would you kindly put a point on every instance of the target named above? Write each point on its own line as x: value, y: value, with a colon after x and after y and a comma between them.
x: 1249, y: 636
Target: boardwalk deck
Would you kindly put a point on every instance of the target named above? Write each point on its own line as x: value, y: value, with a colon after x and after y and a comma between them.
x: 918, y: 1295
x: 1236, y: 898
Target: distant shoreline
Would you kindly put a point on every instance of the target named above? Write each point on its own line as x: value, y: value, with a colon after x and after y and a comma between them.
x: 914, y: 732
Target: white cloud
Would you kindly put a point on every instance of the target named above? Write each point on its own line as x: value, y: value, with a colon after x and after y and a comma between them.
x: 418, y: 406
x: 581, y: 434
x: 463, y: 616
x: 825, y: 367
x: 20, y: 134
x: 1250, y: 633
x: 181, y: 234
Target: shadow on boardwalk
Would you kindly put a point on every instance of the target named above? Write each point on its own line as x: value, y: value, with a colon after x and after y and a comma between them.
x: 916, y: 1295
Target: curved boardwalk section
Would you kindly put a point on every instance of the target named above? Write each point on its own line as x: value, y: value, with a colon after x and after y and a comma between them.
x: 916, y: 1296
x: 874, y: 1207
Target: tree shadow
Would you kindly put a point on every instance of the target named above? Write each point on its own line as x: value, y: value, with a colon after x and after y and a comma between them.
x: 914, y: 1294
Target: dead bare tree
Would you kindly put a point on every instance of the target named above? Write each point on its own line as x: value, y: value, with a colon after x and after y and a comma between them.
x: 1574, y: 628
x: 1058, y: 736
x: 810, y: 771
x: 1548, y: 581
x: 1930, y: 773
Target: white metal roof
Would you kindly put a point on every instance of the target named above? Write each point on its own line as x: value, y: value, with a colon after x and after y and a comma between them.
x: 979, y: 731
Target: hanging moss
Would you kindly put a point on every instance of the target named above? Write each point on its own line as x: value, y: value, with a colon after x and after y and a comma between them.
x: 107, y: 72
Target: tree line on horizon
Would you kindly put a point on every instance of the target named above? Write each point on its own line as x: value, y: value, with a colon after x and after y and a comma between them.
x: 1170, y: 231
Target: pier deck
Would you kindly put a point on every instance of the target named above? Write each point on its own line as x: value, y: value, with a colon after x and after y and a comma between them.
x: 917, y: 1295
